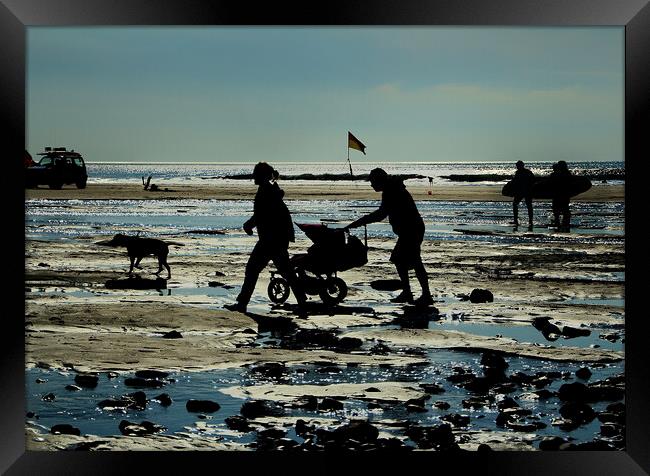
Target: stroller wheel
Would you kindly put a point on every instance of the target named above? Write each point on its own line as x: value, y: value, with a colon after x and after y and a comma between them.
x: 334, y: 291
x: 278, y: 290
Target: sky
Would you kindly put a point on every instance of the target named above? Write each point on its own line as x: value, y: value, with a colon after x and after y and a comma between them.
x: 410, y: 94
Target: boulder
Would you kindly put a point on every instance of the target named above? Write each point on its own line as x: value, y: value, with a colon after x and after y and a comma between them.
x: 358, y: 430
x: 480, y: 296
x: 164, y: 399
x: 583, y: 373
x: 578, y: 412
x: 65, y: 429
x: 570, y: 332
x: 609, y: 430
x: 114, y: 404
x: 143, y: 382
x: 432, y: 388
x: 271, y: 370
x: 379, y: 349
x: 172, y: 335
x: 349, y: 343
x: 202, y: 406
x: 456, y: 419
x: 302, y: 429
x: 493, y: 360
x: 86, y: 380
x: 545, y: 394
x: 330, y: 404
x: 549, y: 331
x: 259, y: 408
x: 507, y: 402
x: 238, y: 423
x: 551, y: 443
x: 441, y: 405
x: 157, y: 374
x: 573, y: 392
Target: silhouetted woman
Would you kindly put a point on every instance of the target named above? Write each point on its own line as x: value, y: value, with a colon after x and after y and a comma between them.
x: 272, y: 219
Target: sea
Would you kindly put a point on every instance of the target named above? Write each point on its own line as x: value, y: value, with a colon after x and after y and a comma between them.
x: 189, y: 173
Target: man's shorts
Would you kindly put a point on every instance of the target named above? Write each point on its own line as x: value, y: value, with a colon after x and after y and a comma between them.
x: 407, y: 251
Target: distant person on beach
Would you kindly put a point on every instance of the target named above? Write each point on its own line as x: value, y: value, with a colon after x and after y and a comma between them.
x: 274, y: 226
x: 397, y: 204
x: 525, y: 180
x: 560, y: 201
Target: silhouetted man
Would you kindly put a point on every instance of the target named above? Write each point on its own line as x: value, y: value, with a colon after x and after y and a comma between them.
x: 561, y: 199
x: 397, y: 204
x: 274, y: 226
x: 525, y: 180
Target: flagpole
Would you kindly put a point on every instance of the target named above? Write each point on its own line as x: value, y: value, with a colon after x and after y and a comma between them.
x: 349, y: 163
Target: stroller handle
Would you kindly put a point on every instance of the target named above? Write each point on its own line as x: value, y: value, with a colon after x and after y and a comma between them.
x: 365, y: 234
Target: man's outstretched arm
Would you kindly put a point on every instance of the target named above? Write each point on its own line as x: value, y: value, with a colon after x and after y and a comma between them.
x: 377, y: 215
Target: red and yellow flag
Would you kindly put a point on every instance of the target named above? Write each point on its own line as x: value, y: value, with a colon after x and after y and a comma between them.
x: 355, y: 143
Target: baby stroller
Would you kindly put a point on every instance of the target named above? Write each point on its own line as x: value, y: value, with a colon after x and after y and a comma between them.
x: 333, y: 250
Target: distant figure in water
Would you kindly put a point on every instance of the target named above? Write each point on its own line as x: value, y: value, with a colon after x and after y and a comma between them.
x: 397, y: 204
x: 560, y: 201
x: 525, y: 180
x: 274, y: 226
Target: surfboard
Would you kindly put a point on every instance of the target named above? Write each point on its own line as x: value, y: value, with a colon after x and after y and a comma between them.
x: 514, y: 188
x: 568, y: 186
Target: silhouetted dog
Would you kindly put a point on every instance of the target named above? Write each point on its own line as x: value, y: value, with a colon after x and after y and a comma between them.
x: 137, y: 248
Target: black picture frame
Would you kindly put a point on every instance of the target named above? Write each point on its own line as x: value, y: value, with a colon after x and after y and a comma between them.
x: 16, y: 15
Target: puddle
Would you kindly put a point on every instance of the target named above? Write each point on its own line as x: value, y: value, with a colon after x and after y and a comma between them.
x: 529, y: 334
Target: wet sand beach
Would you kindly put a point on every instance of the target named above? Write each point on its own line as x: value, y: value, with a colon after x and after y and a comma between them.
x: 463, y: 363
x: 306, y: 191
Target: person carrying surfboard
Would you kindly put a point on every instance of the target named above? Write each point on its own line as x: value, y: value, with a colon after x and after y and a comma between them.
x: 560, y: 201
x: 523, y: 180
x: 397, y: 204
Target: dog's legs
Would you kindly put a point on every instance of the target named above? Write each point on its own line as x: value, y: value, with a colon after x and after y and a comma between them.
x: 162, y: 261
x: 132, y: 258
x: 137, y: 262
x: 160, y: 264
